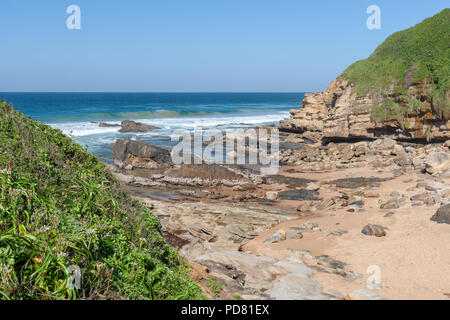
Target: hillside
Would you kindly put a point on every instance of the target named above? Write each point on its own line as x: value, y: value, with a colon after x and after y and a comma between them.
x: 407, y: 57
x: 400, y: 91
x: 59, y: 207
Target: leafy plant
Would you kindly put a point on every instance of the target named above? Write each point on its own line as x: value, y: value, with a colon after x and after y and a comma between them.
x: 59, y: 207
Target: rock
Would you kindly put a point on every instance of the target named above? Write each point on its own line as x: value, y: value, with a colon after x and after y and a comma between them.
x: 362, y: 294
x: 442, y: 215
x: 389, y: 214
x: 398, y: 150
x: 107, y: 125
x: 139, y: 154
x: 334, y: 294
x: 436, y: 162
x: 132, y: 126
x: 432, y: 185
x: 391, y: 204
x: 298, y: 194
x: 327, y: 203
x: 419, y: 196
x: 374, y: 230
x: 354, y: 183
x: 326, y: 261
x: 386, y: 144
x: 337, y: 232
x: 417, y: 203
x: 395, y: 194
x: 371, y: 194
x: 418, y: 163
x: 340, y: 114
x: 302, y: 254
x: 306, y: 208
x: 267, y: 277
x: 271, y: 195
x: 313, y: 187
x: 278, y: 236
x: 309, y: 226
x: 294, y: 233
x: 447, y: 144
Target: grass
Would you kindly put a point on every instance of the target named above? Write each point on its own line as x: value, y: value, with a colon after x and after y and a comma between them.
x: 214, y: 286
x: 406, y: 57
x: 60, y: 207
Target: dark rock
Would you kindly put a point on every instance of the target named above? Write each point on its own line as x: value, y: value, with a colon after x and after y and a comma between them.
x: 442, y: 215
x: 326, y: 261
x: 353, y: 183
x: 374, y: 230
x: 389, y: 214
x: 391, y: 204
x: 131, y: 126
x: 298, y: 194
x: 129, y: 151
x: 292, y: 182
x: 107, y: 125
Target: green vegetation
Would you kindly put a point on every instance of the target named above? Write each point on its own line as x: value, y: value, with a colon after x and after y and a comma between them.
x: 406, y: 57
x: 215, y: 287
x: 60, y: 207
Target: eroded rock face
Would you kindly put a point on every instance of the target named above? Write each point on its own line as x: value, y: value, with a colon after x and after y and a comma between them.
x: 339, y: 113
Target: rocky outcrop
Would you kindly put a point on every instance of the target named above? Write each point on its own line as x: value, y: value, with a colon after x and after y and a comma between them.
x: 132, y: 126
x: 339, y: 113
x: 136, y: 153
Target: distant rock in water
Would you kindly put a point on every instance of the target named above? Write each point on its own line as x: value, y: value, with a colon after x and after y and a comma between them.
x: 107, y: 125
x: 132, y: 126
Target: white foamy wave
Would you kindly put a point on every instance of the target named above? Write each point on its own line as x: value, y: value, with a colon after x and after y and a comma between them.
x: 80, y: 129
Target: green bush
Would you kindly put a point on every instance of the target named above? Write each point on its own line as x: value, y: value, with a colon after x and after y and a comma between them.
x: 59, y: 206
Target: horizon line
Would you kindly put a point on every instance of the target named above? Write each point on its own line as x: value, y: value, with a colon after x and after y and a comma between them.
x: 156, y: 92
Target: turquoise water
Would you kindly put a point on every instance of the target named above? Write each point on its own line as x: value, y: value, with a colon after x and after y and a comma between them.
x: 76, y: 113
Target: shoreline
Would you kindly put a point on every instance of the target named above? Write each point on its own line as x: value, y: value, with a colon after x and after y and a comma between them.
x: 306, y: 221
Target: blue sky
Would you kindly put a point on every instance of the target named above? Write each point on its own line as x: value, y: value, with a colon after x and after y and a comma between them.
x: 194, y: 45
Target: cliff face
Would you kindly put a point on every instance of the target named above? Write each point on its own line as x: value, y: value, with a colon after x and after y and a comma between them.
x: 339, y: 113
x: 401, y: 91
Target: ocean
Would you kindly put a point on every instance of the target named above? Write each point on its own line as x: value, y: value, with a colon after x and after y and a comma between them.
x: 78, y: 114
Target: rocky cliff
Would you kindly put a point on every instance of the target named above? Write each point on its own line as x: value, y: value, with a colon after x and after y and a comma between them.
x: 400, y: 91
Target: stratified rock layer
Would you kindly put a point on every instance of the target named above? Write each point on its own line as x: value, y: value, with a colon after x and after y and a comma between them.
x: 339, y: 114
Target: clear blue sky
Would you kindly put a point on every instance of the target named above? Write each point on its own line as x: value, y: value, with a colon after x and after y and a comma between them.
x: 192, y: 45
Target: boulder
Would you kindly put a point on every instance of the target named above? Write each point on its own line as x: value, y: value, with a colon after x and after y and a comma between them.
x: 437, y: 162
x: 278, y: 236
x: 108, y: 125
x: 139, y: 154
x: 132, y: 126
x: 374, y: 230
x: 442, y: 215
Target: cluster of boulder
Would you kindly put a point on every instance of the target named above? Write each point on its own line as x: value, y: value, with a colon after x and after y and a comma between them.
x: 434, y: 158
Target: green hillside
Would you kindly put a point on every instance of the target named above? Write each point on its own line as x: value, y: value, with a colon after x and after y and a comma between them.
x: 59, y: 207
x: 407, y: 57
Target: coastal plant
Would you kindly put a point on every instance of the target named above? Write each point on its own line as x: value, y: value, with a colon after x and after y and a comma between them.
x: 60, y: 207
x: 418, y: 54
